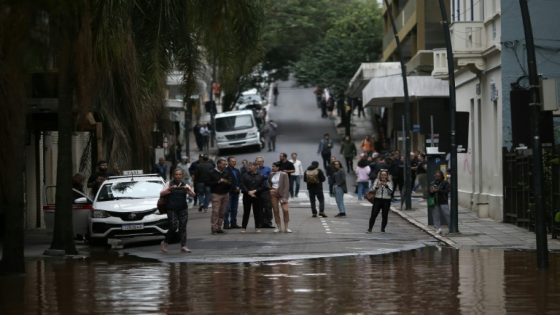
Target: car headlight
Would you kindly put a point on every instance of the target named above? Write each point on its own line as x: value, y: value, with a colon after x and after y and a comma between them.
x: 220, y: 137
x: 252, y: 134
x: 99, y: 214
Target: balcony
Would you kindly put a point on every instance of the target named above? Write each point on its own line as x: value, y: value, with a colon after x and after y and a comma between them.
x: 468, y: 40
x: 405, y: 20
x: 440, y: 64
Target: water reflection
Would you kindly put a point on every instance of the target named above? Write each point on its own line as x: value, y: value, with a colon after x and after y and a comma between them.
x: 421, y: 281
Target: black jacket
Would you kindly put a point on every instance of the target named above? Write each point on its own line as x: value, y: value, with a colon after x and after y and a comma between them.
x: 217, y: 187
x: 253, y: 181
x: 314, y: 186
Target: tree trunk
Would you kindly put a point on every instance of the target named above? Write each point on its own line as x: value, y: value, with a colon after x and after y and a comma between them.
x: 13, y: 27
x: 63, y: 233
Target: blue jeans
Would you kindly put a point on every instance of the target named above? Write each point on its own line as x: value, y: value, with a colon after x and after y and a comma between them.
x: 339, y: 197
x: 203, y: 193
x: 230, y: 217
x: 362, y: 188
x: 294, y: 185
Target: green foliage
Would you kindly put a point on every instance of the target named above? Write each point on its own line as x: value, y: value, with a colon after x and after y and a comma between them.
x: 355, y: 37
x: 295, y: 27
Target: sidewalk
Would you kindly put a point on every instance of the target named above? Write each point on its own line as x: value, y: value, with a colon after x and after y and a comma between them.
x: 473, y: 231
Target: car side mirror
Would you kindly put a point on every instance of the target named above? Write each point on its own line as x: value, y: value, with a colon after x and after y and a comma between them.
x: 81, y: 200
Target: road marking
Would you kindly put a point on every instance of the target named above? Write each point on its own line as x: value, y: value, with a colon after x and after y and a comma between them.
x: 326, y: 226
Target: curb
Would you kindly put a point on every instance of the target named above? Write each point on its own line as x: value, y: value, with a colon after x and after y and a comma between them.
x: 425, y: 228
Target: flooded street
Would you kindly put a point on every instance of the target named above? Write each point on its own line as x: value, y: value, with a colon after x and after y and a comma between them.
x: 428, y: 280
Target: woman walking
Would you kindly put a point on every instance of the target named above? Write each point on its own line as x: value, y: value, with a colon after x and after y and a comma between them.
x: 279, y: 184
x: 362, y: 178
x: 383, y: 187
x: 439, y: 190
x: 339, y: 178
x: 175, y: 193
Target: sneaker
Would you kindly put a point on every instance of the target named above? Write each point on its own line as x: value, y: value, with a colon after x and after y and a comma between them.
x: 368, y: 232
x: 288, y: 231
x: 438, y: 231
x: 314, y: 215
x: 163, y: 247
x: 185, y: 249
x: 382, y: 230
x: 226, y: 227
x: 340, y: 215
x: 234, y: 226
x: 220, y: 232
x: 257, y: 231
x: 243, y: 230
x: 276, y: 230
x: 323, y: 215
x: 200, y: 209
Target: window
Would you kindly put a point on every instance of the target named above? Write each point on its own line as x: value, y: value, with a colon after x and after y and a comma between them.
x: 232, y: 123
x: 130, y: 190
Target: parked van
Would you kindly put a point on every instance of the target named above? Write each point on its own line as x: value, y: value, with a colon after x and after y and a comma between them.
x: 237, y: 129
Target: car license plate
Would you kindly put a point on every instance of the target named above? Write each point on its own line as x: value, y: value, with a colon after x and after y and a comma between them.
x: 129, y: 227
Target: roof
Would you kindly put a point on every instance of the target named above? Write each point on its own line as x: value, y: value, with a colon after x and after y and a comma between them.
x: 387, y: 90
x: 128, y: 178
x: 234, y: 113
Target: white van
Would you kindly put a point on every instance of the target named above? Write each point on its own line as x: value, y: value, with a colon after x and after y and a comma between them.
x: 237, y: 129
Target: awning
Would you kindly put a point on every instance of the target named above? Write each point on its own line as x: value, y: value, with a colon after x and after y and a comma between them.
x: 366, y: 72
x: 384, y: 91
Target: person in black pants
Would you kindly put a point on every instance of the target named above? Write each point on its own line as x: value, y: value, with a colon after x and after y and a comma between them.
x: 252, y: 184
x: 175, y: 193
x: 325, y: 148
x: 382, y: 186
x: 314, y: 178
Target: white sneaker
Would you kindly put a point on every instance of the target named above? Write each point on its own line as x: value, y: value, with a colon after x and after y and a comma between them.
x: 438, y: 231
x: 257, y: 231
x: 276, y: 230
x: 243, y: 230
x: 288, y: 231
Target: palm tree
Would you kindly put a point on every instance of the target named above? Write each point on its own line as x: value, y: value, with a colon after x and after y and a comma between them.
x: 14, y: 23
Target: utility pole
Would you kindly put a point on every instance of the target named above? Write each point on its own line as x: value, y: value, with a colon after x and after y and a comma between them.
x: 454, y: 211
x: 406, y: 136
x: 535, y: 114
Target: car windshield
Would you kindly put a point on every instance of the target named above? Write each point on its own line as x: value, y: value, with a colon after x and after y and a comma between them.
x: 251, y: 98
x: 234, y: 123
x: 130, y: 190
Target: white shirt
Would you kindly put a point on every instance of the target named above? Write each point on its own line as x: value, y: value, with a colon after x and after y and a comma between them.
x: 298, y: 167
x: 275, y: 180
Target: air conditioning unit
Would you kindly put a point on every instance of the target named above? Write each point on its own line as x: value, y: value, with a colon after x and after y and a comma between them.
x: 550, y: 94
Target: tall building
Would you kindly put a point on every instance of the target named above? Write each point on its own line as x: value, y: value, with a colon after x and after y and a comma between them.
x: 490, y: 71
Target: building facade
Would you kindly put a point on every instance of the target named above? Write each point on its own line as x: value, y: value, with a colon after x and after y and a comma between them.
x: 489, y: 52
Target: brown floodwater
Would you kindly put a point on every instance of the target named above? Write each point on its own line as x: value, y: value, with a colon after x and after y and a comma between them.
x: 424, y: 281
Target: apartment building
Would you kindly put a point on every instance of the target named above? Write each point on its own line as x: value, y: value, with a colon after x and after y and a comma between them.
x: 490, y: 57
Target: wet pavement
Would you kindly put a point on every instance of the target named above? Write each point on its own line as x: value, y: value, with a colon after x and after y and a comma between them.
x: 429, y: 280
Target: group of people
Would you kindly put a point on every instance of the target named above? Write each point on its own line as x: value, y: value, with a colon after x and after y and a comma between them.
x: 264, y: 190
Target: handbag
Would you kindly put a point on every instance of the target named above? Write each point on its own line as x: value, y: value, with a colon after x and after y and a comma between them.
x: 161, y: 205
x: 431, y: 202
x: 370, y: 195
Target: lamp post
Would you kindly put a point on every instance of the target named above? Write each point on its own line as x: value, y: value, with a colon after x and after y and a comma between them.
x: 454, y: 211
x: 406, y: 127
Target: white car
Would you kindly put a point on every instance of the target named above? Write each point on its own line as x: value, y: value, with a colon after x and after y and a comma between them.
x: 249, y: 99
x: 126, y: 206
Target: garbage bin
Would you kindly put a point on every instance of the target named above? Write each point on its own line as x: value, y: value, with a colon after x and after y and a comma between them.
x: 435, y: 160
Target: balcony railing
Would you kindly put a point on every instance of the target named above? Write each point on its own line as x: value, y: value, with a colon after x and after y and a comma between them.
x: 440, y: 64
x: 408, y: 11
x: 468, y: 39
